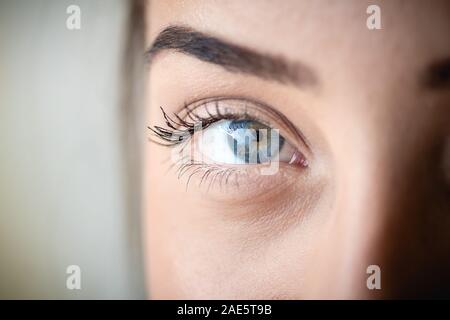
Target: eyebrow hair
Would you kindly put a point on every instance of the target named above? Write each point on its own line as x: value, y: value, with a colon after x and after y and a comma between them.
x: 437, y: 75
x: 233, y: 58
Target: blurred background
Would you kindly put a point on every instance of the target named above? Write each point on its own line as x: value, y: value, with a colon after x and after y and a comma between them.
x: 62, y: 170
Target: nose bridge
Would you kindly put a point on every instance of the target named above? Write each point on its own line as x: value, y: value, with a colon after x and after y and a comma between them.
x: 377, y: 208
x: 362, y: 206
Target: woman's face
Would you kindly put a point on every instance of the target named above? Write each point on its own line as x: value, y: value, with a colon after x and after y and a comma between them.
x: 355, y: 174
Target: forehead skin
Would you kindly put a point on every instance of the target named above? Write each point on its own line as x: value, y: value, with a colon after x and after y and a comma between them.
x: 318, y: 31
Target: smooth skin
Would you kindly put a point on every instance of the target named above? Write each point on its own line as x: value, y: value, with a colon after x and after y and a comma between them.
x: 375, y: 191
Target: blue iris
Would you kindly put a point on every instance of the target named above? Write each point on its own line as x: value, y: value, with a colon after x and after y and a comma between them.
x: 252, y: 141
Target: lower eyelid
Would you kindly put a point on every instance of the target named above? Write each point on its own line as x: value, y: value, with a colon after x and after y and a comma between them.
x: 233, y: 180
x: 239, y: 184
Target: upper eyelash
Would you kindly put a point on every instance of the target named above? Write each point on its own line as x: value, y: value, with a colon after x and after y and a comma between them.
x: 180, y: 130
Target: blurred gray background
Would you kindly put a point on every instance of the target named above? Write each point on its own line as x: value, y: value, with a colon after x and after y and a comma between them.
x: 61, y: 169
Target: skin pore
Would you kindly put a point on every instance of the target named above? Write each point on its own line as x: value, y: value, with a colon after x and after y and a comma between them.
x: 368, y: 110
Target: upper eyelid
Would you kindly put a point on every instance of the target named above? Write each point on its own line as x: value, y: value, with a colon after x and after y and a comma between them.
x: 291, y: 127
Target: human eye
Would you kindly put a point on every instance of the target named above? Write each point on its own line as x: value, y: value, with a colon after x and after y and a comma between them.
x: 231, y: 140
x: 246, y: 142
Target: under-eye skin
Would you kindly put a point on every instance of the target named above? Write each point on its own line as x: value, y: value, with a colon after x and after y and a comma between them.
x: 228, y: 142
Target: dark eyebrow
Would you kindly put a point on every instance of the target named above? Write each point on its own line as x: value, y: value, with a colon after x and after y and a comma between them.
x: 437, y: 75
x: 232, y: 57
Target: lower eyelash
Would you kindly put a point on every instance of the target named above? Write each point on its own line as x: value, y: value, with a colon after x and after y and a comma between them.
x: 208, y: 171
